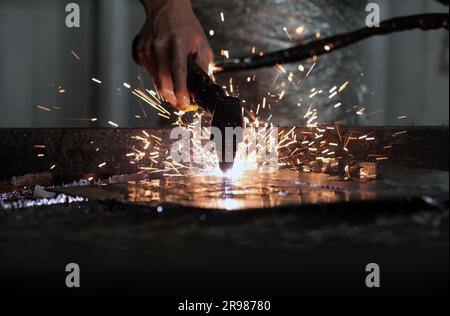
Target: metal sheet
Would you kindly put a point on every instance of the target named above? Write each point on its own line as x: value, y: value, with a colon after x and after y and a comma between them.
x: 255, y: 191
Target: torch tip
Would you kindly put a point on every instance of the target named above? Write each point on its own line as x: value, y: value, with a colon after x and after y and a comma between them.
x: 225, y: 166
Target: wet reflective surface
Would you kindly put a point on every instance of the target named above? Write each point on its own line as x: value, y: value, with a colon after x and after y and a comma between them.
x: 254, y: 191
x: 300, y: 249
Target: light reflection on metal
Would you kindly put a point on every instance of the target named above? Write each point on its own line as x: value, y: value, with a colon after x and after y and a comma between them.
x: 214, y: 192
x: 253, y: 190
x: 60, y: 199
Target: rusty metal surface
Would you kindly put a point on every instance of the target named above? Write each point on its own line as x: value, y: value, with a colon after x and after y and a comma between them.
x: 77, y: 153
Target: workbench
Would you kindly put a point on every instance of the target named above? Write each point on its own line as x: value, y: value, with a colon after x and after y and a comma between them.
x: 286, y: 233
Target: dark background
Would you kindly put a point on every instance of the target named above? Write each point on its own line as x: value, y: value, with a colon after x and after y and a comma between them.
x: 404, y: 74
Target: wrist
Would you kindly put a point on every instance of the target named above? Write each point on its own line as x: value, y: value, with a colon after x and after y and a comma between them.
x: 154, y: 7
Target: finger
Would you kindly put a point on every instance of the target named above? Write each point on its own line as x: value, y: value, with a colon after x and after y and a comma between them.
x: 148, y: 61
x: 136, y: 49
x: 151, y: 68
x: 140, y: 43
x: 143, y: 57
x: 179, y: 75
x: 140, y: 48
x: 164, y: 74
x: 204, y: 57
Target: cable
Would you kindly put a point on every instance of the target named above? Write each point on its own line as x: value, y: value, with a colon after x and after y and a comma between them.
x: 325, y: 46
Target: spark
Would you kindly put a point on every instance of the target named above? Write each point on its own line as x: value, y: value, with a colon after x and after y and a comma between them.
x: 74, y: 54
x: 225, y: 53
x: 44, y: 108
x: 343, y: 86
x: 153, y: 100
x: 361, y: 111
x: 287, y: 34
x: 157, y: 138
x: 312, y: 95
x: 300, y: 29
x: 164, y: 116
x: 280, y: 68
x: 311, y: 69
x: 291, y: 75
x: 332, y: 95
x: 113, y: 124
x: 96, y: 80
x: 313, y: 150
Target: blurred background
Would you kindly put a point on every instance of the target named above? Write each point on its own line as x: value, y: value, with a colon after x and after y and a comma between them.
x: 44, y: 63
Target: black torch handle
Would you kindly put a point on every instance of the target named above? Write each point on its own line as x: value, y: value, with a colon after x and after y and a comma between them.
x: 203, y: 90
x: 226, y: 110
